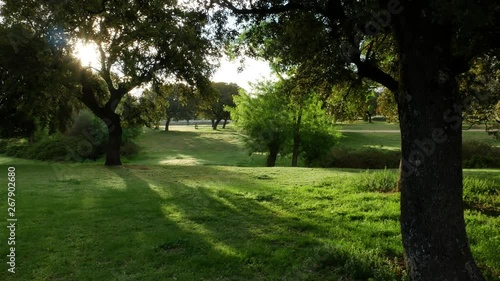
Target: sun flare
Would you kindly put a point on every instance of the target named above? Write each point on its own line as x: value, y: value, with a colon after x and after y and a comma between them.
x: 87, y: 53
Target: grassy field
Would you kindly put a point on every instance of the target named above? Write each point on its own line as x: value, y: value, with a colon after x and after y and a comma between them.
x: 195, y: 206
x: 369, y: 135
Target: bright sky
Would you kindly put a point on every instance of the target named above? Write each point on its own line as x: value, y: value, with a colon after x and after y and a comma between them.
x: 253, y: 70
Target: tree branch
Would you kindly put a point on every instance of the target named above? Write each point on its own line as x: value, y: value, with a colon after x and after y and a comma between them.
x: 259, y: 11
x: 367, y: 70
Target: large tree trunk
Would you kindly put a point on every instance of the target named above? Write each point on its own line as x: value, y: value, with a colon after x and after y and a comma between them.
x: 432, y: 217
x: 296, y: 140
x: 114, y: 140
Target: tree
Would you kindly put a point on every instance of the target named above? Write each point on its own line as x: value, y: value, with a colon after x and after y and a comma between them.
x: 32, y: 98
x: 416, y: 49
x: 153, y: 107
x: 277, y: 122
x: 138, y: 42
x: 351, y: 100
x: 216, y: 110
x: 481, y: 86
x: 386, y: 106
x: 183, y: 102
x: 265, y: 119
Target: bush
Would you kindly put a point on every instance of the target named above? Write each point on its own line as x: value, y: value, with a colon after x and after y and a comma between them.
x: 15, y: 147
x: 131, y: 134
x: 130, y: 149
x: 90, y: 130
x: 315, y: 146
x: 3, y: 145
x: 364, y: 158
x: 476, y: 154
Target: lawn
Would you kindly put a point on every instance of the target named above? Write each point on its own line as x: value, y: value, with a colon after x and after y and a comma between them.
x: 194, y: 206
x: 363, y: 134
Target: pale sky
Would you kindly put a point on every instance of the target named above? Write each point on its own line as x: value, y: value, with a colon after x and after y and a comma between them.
x: 253, y: 70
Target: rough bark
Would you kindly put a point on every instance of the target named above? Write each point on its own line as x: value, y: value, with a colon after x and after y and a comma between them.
x: 105, y: 113
x: 114, y: 140
x: 432, y: 217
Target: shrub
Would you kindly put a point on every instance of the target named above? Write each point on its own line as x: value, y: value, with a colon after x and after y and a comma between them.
x: 364, y: 158
x: 131, y: 134
x: 89, y: 128
x: 15, y: 147
x: 3, y: 145
x: 476, y: 154
x: 315, y: 146
x: 130, y: 149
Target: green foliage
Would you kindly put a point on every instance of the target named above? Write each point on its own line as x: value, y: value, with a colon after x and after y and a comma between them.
x: 387, y: 106
x: 477, y: 154
x: 11, y: 147
x: 90, y: 130
x: 129, y: 135
x: 363, y: 158
x: 85, y: 140
x: 216, y: 109
x: 129, y: 149
x: 480, y: 88
x: 318, y: 136
x: 270, y: 120
x: 34, y: 93
x: 265, y: 118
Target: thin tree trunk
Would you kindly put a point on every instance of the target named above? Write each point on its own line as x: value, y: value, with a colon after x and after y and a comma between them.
x: 216, y: 123
x: 167, y: 124
x: 432, y: 217
x: 114, y: 140
x: 224, y: 124
x: 296, y: 140
x: 273, y: 155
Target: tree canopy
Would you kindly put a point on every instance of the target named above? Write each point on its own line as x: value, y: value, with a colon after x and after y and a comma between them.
x: 416, y: 49
x: 29, y: 80
x: 138, y: 42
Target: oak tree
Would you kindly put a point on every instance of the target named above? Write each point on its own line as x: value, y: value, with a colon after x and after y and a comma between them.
x: 416, y: 49
x: 137, y: 42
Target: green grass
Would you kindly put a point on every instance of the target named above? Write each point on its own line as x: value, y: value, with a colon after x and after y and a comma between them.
x: 204, y: 218
x: 185, y: 146
x: 375, y: 125
x: 392, y: 141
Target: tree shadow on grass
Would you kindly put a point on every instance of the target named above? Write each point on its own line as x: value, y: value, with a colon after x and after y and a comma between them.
x: 195, y: 148
x: 149, y: 223
x: 240, y: 236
